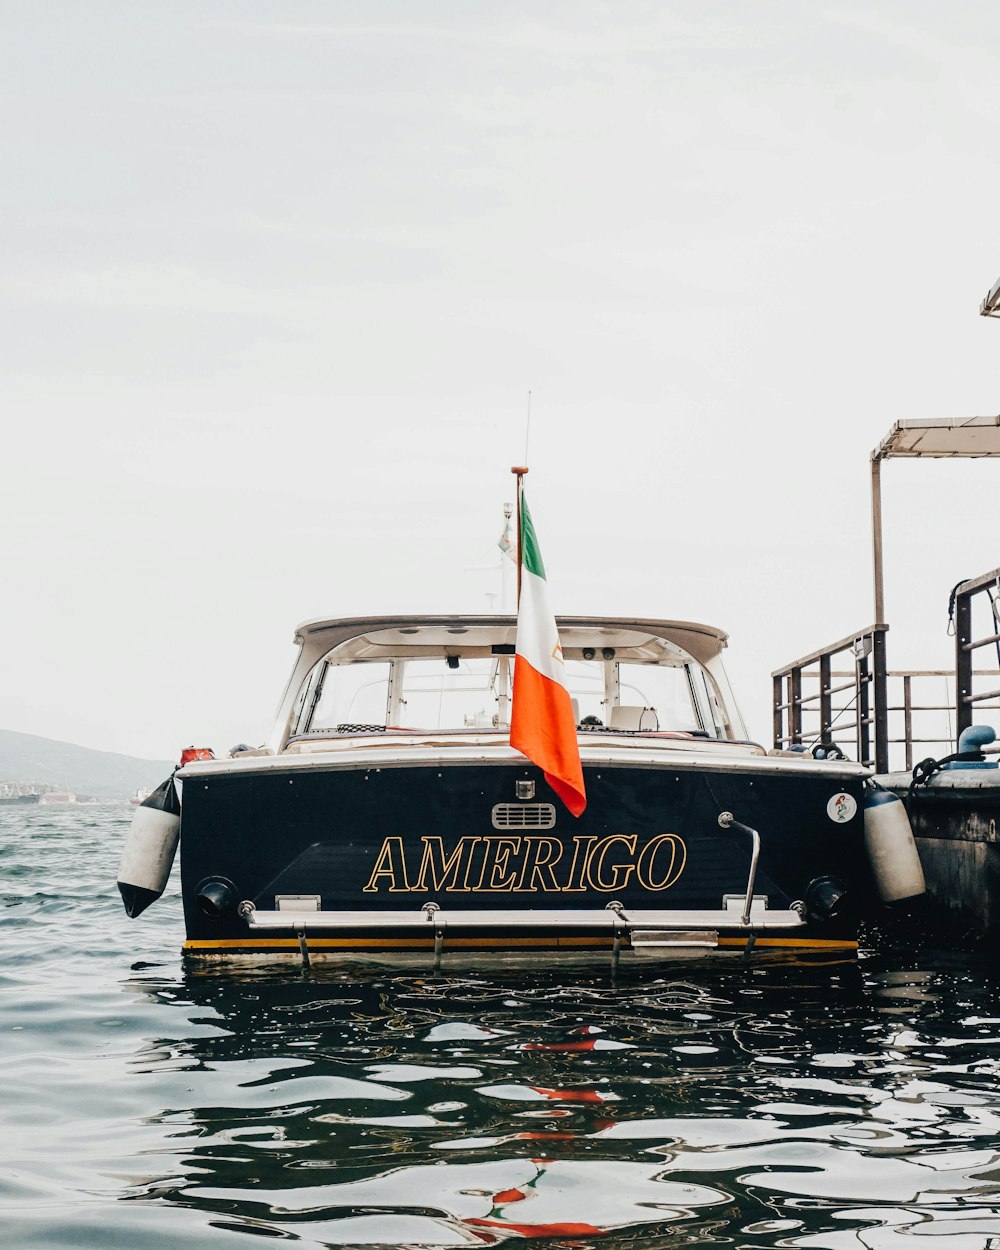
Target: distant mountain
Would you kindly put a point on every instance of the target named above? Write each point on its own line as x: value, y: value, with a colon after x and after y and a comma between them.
x: 102, y: 774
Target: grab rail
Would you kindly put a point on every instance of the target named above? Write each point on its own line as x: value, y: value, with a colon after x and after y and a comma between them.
x: 754, y: 914
x: 728, y: 821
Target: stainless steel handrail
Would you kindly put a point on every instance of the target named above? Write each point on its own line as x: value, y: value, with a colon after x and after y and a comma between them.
x: 754, y: 914
x: 728, y: 821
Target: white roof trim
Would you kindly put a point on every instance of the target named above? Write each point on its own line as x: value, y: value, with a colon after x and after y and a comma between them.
x: 703, y: 642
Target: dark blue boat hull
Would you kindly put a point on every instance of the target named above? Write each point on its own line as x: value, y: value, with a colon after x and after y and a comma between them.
x: 396, y: 838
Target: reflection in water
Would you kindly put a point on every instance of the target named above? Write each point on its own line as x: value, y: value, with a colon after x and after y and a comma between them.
x: 773, y: 1106
x: 705, y: 1104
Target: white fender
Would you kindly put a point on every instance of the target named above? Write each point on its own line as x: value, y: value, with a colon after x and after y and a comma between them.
x: 892, y: 851
x: 148, y: 853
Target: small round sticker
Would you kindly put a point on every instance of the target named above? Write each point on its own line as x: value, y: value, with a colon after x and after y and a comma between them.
x: 841, y: 808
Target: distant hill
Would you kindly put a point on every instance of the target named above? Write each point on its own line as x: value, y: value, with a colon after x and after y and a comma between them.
x: 101, y: 774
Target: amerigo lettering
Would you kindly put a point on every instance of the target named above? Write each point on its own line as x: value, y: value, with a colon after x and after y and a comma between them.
x: 527, y: 864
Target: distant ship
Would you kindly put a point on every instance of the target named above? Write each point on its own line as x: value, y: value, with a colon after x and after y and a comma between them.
x: 140, y: 796
x: 12, y: 793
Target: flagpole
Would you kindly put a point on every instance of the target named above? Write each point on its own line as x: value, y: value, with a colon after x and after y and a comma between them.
x: 519, y: 471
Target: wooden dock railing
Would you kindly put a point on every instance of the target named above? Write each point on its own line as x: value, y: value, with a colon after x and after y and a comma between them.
x: 839, y: 696
x: 814, y: 703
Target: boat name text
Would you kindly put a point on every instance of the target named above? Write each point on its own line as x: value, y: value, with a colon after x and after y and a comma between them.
x: 506, y: 863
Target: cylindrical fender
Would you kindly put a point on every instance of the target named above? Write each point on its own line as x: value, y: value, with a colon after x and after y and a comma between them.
x: 892, y: 851
x: 150, y: 845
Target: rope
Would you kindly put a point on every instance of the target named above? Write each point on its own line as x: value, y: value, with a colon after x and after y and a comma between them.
x: 925, y: 770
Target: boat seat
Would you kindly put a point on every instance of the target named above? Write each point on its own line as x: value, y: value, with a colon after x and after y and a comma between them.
x: 628, y: 716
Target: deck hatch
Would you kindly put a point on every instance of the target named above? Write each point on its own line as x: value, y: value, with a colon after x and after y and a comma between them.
x: 524, y: 816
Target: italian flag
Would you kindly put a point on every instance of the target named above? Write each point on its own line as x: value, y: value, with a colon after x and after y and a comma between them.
x: 541, y: 720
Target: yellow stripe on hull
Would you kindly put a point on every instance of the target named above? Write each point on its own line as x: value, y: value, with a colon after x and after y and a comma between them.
x: 825, y: 944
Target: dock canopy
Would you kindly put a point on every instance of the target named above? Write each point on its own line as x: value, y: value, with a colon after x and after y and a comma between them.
x: 941, y: 437
x: 915, y: 439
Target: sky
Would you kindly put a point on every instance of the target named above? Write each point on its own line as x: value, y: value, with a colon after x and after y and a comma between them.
x: 280, y: 275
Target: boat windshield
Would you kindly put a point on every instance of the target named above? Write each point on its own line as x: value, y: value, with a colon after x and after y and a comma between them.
x: 463, y: 692
x: 427, y: 693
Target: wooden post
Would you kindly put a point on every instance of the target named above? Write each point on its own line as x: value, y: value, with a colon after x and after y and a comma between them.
x: 862, y: 678
x: 825, y: 701
x: 877, y: 540
x: 963, y: 661
x: 880, y: 701
x: 908, y: 720
x: 778, y: 725
x: 795, y: 706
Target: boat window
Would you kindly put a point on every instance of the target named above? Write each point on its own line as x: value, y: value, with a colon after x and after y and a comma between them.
x: 454, y: 692
x: 585, y: 682
x: 450, y: 693
x: 710, y: 705
x: 670, y: 690
x: 305, y: 697
x: 352, y: 694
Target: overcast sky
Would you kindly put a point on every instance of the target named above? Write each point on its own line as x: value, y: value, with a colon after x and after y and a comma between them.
x: 279, y: 276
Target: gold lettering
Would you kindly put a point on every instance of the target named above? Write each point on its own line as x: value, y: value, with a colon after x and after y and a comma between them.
x: 540, y: 857
x: 444, y: 873
x: 495, y: 863
x: 582, y: 844
x: 646, y: 861
x: 620, y: 872
x: 658, y: 866
x: 390, y: 863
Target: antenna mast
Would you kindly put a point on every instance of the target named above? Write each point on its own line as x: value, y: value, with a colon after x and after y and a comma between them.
x: 519, y: 471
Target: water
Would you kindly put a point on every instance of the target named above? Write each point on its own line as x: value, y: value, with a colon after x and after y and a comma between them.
x: 698, y: 1104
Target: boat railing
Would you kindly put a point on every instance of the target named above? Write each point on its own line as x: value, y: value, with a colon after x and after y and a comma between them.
x: 819, y: 707
x: 890, y: 718
x: 970, y: 698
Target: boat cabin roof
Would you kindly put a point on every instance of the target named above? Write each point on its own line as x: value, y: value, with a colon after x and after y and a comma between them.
x: 382, y: 637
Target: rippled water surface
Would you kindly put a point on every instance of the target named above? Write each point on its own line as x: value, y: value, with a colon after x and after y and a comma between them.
x: 692, y: 1104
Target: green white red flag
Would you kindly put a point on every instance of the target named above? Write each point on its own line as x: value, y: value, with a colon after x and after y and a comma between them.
x: 542, y: 725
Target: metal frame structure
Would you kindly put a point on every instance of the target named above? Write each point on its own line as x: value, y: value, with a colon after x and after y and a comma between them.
x: 952, y: 437
x: 949, y: 438
x: 966, y: 645
x: 867, y: 681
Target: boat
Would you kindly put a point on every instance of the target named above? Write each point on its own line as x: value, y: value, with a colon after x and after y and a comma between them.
x: 387, y: 816
x: 139, y: 795
x: 14, y: 794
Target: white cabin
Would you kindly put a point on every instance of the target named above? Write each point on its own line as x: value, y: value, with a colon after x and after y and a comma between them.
x: 433, y: 674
